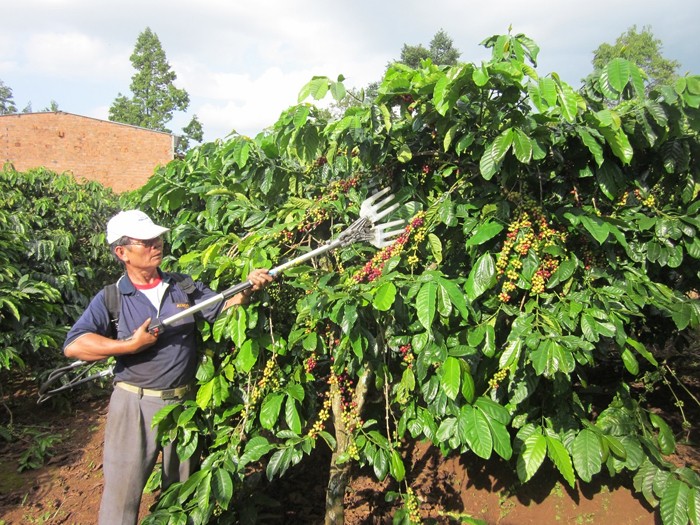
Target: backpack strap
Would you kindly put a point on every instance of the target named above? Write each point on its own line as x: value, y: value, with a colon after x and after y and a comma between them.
x: 185, y: 282
x: 113, y: 302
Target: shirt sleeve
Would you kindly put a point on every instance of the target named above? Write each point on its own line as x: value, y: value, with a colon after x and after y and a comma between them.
x: 94, y: 320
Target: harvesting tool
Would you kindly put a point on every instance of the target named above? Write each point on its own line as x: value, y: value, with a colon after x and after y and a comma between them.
x: 367, y: 228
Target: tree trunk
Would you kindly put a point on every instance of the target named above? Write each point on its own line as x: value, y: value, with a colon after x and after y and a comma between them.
x: 340, y: 474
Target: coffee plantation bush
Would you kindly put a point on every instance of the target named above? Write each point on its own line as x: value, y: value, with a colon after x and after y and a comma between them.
x: 54, y: 259
x: 548, y: 267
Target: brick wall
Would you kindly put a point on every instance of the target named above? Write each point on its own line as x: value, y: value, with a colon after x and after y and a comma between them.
x: 119, y: 156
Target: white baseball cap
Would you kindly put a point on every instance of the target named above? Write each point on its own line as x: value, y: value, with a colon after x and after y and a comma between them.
x: 134, y: 224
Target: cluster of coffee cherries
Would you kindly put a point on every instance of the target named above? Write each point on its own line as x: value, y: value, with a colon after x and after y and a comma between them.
x: 412, y: 505
x: 649, y: 201
x: 319, y: 212
x: 547, y: 267
x: 372, y: 269
x: 329, y: 334
x: 310, y: 363
x: 350, y: 414
x: 323, y: 416
x: 268, y: 381
x: 407, y: 355
x: 352, y: 450
x: 530, y: 231
x: 407, y: 100
x: 498, y: 378
x: 590, y: 257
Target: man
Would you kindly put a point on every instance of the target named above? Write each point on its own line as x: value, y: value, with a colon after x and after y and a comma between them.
x: 152, y: 369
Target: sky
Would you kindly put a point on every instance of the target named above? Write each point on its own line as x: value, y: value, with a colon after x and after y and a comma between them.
x: 244, y: 62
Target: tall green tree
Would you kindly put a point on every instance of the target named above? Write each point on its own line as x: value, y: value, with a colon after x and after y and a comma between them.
x: 192, y: 132
x: 7, y: 104
x: 441, y: 51
x: 154, y: 95
x: 644, y: 50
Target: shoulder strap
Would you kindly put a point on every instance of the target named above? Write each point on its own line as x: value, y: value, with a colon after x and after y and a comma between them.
x: 185, y: 282
x: 113, y: 302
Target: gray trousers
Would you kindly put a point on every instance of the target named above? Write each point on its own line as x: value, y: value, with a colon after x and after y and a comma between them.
x: 130, y: 453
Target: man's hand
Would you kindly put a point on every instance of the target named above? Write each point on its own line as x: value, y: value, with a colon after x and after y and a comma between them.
x: 142, y: 338
x: 260, y: 278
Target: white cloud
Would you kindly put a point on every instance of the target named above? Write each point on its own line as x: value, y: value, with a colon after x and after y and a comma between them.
x: 244, y: 103
x: 74, y: 55
x: 248, y: 103
x: 8, y: 50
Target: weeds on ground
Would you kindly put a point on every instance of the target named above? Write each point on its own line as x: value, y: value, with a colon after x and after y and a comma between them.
x: 39, y: 444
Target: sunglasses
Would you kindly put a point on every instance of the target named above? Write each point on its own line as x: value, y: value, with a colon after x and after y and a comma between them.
x: 148, y: 243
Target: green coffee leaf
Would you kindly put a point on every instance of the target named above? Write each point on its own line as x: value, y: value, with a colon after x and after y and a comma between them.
x: 404, y: 154
x: 630, y: 362
x: 666, y: 439
x: 674, y: 503
x: 396, y: 467
x: 455, y: 294
x: 291, y: 415
x: 476, y: 431
x: 204, y: 394
x: 221, y: 486
x: 587, y: 453
x: 450, y: 377
x: 255, y: 449
x: 561, y: 459
x: 522, y: 146
x: 618, y: 73
x: 482, y: 276
x: 425, y: 304
x: 485, y: 232
x: 384, y: 296
x: 247, y: 356
x: 435, y: 247
x: 531, y: 456
x: 270, y: 410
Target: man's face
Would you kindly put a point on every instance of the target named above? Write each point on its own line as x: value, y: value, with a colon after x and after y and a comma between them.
x: 142, y: 254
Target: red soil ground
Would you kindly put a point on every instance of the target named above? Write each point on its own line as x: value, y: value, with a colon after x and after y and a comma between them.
x: 66, y: 490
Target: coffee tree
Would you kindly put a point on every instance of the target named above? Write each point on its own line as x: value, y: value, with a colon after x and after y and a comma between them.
x: 546, y: 277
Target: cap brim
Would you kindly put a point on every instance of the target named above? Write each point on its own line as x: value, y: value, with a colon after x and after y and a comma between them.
x: 150, y: 232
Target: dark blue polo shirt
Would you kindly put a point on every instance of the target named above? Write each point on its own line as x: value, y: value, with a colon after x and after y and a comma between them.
x: 172, y: 361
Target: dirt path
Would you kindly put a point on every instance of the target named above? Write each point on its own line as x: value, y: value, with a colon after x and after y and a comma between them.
x: 67, y: 489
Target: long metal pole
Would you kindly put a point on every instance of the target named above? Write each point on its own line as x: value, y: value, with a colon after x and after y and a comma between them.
x: 241, y: 287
